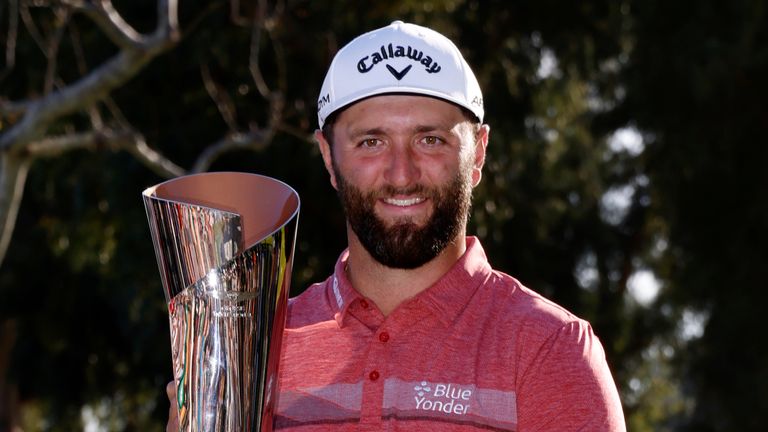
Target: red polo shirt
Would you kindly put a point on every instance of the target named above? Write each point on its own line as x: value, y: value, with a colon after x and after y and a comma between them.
x: 476, y: 351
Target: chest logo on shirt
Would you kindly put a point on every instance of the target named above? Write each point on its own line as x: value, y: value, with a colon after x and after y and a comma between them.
x: 446, y: 398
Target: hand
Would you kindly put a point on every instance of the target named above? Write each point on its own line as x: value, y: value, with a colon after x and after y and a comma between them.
x: 173, y: 411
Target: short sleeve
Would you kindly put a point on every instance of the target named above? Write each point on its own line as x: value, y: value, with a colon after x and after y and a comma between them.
x: 568, y: 386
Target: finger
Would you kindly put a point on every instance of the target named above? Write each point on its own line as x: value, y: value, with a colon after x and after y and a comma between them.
x: 173, y: 426
x: 173, y: 412
x: 170, y: 390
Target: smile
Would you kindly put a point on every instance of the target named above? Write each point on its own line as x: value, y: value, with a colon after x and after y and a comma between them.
x: 404, y: 202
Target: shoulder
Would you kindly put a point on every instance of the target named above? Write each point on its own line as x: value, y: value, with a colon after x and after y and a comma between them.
x: 534, y: 326
x: 557, y: 358
x: 524, y: 307
x: 309, y: 307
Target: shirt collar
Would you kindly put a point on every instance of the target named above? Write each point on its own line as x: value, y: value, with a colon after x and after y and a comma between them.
x: 341, y: 294
x: 446, y: 298
x: 451, y: 293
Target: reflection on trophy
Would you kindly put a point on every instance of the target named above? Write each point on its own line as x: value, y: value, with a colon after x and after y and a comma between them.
x: 224, y: 244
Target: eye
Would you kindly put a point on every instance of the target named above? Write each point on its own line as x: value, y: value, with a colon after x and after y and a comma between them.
x: 370, y: 143
x: 432, y: 140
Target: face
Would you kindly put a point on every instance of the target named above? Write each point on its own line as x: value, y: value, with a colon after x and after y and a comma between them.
x: 404, y: 168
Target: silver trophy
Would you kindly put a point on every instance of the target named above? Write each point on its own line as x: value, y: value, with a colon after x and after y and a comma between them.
x: 224, y: 244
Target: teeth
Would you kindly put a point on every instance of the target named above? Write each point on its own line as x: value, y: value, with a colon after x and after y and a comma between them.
x: 403, y: 202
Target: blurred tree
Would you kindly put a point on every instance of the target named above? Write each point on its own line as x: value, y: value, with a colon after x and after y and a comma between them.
x: 696, y: 82
x: 82, y: 126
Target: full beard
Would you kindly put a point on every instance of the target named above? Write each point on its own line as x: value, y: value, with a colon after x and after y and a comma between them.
x: 404, y: 244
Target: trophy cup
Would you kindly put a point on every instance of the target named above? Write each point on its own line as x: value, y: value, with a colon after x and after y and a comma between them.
x: 224, y: 244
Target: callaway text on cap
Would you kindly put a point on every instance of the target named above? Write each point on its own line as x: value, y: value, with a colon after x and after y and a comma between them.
x: 399, y: 58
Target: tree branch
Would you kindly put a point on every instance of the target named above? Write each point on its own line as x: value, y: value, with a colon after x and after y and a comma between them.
x: 234, y: 14
x: 104, y: 15
x: 151, y: 158
x: 10, y: 41
x: 86, y: 91
x: 17, y: 142
x: 52, y: 49
x: 55, y: 146
x: 254, y: 140
x: 82, y: 67
x: 258, y: 138
x: 253, y: 59
x: 13, y: 175
x: 89, y: 89
x: 29, y: 23
x: 167, y: 21
x: 220, y: 97
x: 124, y: 139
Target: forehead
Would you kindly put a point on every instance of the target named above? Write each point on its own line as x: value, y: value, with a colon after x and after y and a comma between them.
x: 401, y: 110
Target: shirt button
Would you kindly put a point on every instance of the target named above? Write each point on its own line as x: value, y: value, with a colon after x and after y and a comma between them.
x: 374, y: 375
x: 363, y: 304
x: 383, y: 336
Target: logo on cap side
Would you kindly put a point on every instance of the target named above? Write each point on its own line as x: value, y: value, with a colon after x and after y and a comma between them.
x: 326, y: 99
x: 368, y: 62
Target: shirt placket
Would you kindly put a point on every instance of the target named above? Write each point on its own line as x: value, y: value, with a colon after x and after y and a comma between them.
x: 376, y: 366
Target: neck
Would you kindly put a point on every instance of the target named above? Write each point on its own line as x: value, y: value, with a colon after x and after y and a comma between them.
x: 388, y: 287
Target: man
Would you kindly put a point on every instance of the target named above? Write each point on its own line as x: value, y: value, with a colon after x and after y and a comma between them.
x: 414, y: 330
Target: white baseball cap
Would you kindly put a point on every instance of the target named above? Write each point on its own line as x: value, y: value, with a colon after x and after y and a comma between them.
x: 399, y: 58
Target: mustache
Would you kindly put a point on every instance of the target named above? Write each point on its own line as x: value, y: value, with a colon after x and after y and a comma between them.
x: 389, y: 190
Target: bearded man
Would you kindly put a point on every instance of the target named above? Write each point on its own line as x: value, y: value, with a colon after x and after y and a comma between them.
x: 414, y: 330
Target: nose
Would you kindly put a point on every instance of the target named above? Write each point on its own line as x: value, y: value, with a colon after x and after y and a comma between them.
x: 402, y: 170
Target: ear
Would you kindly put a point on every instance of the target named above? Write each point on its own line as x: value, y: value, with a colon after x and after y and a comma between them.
x: 481, y: 143
x: 325, y: 151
